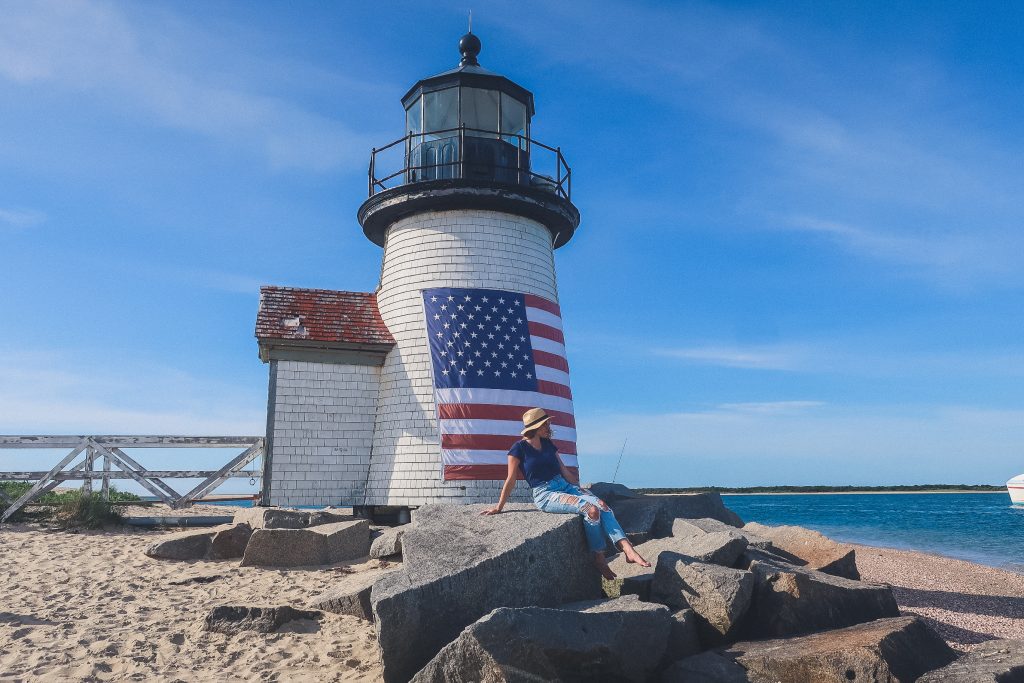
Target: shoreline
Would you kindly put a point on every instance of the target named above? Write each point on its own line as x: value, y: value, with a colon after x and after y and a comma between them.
x: 937, y: 556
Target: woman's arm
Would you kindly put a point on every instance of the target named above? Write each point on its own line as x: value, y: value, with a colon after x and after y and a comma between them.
x: 506, y: 489
x: 569, y: 477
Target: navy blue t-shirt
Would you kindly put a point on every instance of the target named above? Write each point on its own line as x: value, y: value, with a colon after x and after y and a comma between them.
x: 538, y: 466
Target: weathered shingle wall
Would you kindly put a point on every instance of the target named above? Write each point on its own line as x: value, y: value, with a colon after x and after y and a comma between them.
x: 322, y: 432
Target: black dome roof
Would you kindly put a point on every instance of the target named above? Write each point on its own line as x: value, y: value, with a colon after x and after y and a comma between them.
x: 470, y: 74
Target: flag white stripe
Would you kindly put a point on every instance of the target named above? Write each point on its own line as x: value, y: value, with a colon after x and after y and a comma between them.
x: 503, y: 397
x: 552, y: 375
x: 468, y: 457
x: 549, y: 345
x: 503, y: 427
x: 539, y: 315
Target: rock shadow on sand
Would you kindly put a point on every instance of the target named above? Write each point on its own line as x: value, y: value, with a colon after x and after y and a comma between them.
x: 966, y: 603
x: 956, y: 636
x: 24, y: 620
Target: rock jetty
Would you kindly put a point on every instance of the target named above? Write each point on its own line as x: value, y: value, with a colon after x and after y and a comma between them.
x: 721, y: 603
x: 462, y: 597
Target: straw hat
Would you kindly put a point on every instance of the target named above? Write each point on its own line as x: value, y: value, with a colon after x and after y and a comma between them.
x: 533, y: 419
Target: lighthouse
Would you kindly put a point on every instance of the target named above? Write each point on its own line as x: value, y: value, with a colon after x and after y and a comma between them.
x: 423, y: 383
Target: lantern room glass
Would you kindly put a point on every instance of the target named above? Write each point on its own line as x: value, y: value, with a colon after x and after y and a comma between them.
x: 414, y: 117
x: 441, y: 111
x: 513, y: 119
x: 468, y: 132
x: 478, y: 109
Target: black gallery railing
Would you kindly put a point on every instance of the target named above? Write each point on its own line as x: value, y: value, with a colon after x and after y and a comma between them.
x: 473, y: 154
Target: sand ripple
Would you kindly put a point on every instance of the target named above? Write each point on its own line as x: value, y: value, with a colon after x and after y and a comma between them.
x: 91, y: 606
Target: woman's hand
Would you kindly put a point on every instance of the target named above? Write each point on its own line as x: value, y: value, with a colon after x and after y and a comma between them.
x: 506, y: 489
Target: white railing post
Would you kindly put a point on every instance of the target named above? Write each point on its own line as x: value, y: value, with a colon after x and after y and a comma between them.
x: 106, y: 477
x: 90, y: 458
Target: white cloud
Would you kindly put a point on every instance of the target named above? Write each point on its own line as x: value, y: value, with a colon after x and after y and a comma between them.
x: 941, y: 250
x: 85, y: 415
x: 91, y: 47
x: 20, y: 219
x: 755, y: 358
x: 826, y: 445
x: 911, y: 189
x: 53, y: 393
x: 863, y: 145
x: 770, y: 407
x: 856, y: 354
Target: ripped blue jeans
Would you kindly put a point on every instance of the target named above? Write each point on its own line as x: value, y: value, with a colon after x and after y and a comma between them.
x: 561, y: 497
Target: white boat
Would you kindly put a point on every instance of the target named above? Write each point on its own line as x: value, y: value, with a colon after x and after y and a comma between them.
x: 1015, y: 487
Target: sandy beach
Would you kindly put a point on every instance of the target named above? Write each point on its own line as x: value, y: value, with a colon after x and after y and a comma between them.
x: 91, y: 606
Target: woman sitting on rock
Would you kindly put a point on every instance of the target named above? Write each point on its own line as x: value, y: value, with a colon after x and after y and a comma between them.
x: 538, y: 460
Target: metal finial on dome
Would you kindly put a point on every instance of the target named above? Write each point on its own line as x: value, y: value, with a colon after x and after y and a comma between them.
x: 469, y: 46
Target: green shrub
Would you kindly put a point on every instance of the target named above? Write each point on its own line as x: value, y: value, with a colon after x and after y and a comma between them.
x: 16, y: 489
x: 13, y: 490
x: 69, y: 508
x: 86, y: 511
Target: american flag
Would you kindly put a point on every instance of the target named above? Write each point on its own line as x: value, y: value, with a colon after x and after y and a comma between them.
x: 495, y: 355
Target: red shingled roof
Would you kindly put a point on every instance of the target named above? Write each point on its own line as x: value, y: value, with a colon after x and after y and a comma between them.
x: 320, y: 315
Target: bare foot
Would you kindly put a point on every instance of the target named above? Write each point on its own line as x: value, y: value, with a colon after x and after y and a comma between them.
x: 632, y: 556
x: 602, y: 566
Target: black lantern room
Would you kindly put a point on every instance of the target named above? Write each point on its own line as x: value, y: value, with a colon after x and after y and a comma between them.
x: 468, y: 122
x: 467, y: 144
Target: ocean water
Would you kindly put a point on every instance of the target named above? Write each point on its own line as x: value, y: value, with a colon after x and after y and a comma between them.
x: 978, y: 527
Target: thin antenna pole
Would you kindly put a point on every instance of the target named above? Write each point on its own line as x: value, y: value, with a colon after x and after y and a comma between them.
x: 616, y: 475
x: 470, y: 21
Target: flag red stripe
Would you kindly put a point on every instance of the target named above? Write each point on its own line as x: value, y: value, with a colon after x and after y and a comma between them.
x: 546, y: 331
x: 543, y: 304
x: 494, y: 442
x: 550, y: 360
x: 553, y: 389
x: 484, y: 472
x: 487, y: 411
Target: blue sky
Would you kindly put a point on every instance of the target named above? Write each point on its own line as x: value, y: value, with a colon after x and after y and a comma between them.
x: 800, y: 261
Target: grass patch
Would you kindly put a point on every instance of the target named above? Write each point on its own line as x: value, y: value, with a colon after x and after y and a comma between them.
x: 68, y: 509
x: 16, y: 489
x: 85, y: 511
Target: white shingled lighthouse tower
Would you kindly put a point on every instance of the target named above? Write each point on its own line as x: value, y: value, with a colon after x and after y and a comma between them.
x: 420, y: 386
